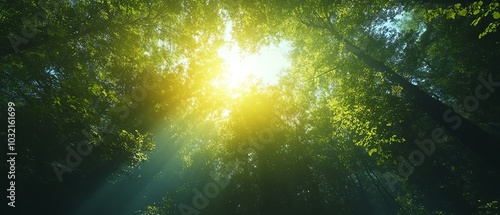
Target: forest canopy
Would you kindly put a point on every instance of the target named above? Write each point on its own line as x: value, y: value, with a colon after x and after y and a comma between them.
x: 378, y: 107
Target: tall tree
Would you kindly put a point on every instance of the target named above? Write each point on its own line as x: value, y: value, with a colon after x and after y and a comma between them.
x: 329, y: 16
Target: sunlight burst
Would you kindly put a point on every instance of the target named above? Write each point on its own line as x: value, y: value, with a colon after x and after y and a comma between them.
x: 242, y: 68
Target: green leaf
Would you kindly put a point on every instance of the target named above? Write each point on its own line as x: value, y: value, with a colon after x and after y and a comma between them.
x: 496, y: 15
x: 476, y: 21
x: 374, y: 150
x: 57, y: 101
x: 451, y: 14
x: 462, y: 12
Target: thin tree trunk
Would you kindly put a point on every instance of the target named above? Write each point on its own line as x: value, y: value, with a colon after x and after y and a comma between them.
x: 384, y: 193
x: 364, y: 199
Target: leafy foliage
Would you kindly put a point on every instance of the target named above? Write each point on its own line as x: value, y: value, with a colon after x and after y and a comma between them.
x: 329, y: 138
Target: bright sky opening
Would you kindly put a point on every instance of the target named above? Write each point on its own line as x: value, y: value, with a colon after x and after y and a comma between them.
x: 264, y: 65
